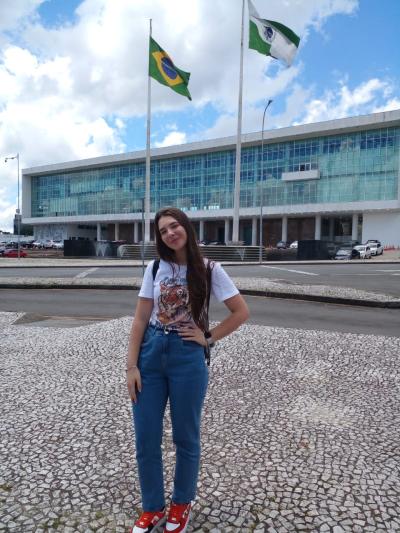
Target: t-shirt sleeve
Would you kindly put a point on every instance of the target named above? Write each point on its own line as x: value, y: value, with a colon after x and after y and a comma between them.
x: 222, y: 287
x: 147, y: 288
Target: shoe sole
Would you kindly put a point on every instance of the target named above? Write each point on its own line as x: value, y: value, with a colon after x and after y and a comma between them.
x: 187, y: 525
x: 160, y: 525
x: 157, y: 527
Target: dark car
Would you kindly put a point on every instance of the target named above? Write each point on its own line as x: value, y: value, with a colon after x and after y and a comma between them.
x: 205, y: 242
x: 347, y: 254
x: 13, y: 252
x: 282, y: 245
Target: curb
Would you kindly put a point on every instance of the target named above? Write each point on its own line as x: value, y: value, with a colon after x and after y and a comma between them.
x: 324, y: 299
x: 388, y: 304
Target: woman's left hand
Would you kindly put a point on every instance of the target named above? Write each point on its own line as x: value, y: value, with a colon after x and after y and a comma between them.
x: 192, y: 333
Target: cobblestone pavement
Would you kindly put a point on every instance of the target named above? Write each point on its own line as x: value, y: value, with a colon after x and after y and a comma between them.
x: 300, y: 432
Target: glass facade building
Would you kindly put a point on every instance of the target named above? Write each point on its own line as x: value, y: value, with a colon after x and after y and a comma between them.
x: 303, y: 166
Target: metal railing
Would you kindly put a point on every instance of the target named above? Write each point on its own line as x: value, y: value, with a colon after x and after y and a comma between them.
x: 217, y: 253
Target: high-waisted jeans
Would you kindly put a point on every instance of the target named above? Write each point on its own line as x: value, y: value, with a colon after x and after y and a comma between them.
x: 175, y: 369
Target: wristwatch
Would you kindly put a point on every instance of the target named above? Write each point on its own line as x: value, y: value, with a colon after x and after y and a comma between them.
x: 209, y: 340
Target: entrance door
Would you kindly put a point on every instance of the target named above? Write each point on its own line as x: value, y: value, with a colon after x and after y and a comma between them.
x: 247, y: 234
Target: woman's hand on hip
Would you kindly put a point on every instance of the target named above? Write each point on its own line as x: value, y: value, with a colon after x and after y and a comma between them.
x: 134, y: 383
x: 192, y: 333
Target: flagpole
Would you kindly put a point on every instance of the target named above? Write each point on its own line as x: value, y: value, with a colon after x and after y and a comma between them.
x: 146, y: 236
x: 236, y: 197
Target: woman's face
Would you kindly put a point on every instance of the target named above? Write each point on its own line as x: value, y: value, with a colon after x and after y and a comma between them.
x: 172, y: 233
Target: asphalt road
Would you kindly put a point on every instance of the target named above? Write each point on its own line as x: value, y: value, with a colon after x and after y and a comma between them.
x: 68, y: 308
x: 371, y: 276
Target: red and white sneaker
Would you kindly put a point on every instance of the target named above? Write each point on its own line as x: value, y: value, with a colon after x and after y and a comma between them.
x: 178, y: 518
x: 149, y: 522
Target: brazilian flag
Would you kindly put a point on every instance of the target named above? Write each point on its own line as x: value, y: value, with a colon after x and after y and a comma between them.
x: 162, y: 69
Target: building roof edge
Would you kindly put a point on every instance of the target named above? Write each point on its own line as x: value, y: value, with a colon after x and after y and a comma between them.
x: 297, y: 131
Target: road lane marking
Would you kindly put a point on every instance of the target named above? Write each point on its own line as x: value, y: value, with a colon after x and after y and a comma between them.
x: 381, y: 270
x: 85, y: 273
x: 292, y: 270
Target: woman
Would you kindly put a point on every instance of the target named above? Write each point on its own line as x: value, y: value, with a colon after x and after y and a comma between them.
x: 166, y: 362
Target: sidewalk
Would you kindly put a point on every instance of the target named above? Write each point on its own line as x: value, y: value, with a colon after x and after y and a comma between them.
x: 299, y: 432
x: 388, y: 257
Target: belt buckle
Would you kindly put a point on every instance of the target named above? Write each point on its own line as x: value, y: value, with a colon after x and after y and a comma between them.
x: 166, y: 330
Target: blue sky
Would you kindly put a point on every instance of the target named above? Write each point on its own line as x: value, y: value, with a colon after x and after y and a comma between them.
x: 73, y: 74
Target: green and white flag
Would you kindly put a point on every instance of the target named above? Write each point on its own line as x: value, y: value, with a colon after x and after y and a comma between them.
x: 271, y: 38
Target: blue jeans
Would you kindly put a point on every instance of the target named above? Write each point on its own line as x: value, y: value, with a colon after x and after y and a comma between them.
x: 175, y: 369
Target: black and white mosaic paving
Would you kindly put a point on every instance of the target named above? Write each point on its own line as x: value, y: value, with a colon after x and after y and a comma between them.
x: 300, y: 432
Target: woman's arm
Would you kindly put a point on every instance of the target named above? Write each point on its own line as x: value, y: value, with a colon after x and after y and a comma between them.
x: 239, y: 313
x: 143, y: 311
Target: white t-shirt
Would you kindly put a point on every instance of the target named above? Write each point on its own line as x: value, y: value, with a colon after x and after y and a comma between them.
x: 170, y: 293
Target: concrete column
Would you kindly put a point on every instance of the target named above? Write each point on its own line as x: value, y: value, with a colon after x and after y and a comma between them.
x: 201, y: 230
x: 284, y: 228
x: 318, y: 221
x: 331, y: 228
x: 255, y: 221
x: 227, y: 228
x: 116, y: 231
x: 98, y: 231
x: 354, y: 227
x: 136, y: 232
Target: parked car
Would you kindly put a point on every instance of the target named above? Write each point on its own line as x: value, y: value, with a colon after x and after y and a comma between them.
x: 38, y: 244
x: 205, y: 242
x: 344, y: 254
x: 375, y: 247
x: 295, y: 245
x: 58, y: 245
x: 282, y: 245
x: 365, y: 251
x: 13, y: 252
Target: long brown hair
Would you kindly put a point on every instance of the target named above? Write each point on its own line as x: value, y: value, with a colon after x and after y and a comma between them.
x: 196, y: 269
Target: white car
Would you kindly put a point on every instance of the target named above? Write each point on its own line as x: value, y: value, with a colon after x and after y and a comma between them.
x: 58, y: 245
x: 365, y: 251
x: 295, y: 244
x: 376, y: 248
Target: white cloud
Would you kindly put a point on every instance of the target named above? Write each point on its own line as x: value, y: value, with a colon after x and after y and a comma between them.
x: 7, y: 209
x: 390, y: 105
x: 11, y: 12
x: 345, y: 102
x: 171, y: 139
x: 109, y: 59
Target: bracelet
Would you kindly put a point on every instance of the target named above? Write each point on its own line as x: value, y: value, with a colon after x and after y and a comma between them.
x: 130, y: 368
x: 209, y: 339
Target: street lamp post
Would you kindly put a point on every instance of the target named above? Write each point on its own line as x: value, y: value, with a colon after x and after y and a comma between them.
x: 18, y: 210
x: 261, y: 182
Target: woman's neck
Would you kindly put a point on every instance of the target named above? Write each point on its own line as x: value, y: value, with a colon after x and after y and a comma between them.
x: 180, y: 257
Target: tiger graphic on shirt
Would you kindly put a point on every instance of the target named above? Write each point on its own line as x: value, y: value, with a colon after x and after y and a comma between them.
x: 173, y: 302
